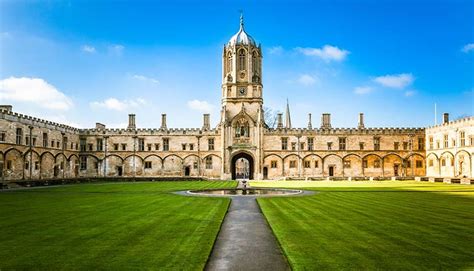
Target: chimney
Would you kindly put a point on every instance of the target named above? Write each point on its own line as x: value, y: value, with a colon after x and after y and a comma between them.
x: 361, y: 121
x: 326, y: 121
x: 6, y: 107
x: 280, y: 121
x: 163, y: 122
x: 310, y: 125
x: 131, y: 121
x: 445, y: 118
x: 99, y: 126
x: 206, y: 124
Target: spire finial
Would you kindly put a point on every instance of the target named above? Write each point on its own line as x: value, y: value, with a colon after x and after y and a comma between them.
x: 288, y: 117
x: 241, y: 18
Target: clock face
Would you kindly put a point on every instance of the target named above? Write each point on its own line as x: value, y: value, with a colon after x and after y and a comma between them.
x: 242, y: 91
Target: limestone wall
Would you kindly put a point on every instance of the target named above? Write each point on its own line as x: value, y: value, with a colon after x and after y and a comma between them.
x: 450, y: 149
x: 352, y: 161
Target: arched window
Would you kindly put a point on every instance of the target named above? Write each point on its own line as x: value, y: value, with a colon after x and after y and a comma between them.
x: 242, y: 128
x: 254, y: 62
x: 241, y: 60
x: 229, y: 62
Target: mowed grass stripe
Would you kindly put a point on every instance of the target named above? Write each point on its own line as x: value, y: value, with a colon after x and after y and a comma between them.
x: 374, y: 230
x: 419, y: 225
x: 115, y: 226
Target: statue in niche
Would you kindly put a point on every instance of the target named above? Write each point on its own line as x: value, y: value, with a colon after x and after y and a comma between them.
x: 242, y: 128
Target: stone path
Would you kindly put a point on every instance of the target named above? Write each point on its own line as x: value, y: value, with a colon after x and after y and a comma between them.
x: 245, y: 241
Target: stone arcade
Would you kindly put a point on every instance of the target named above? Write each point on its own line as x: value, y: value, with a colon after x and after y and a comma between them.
x: 241, y: 145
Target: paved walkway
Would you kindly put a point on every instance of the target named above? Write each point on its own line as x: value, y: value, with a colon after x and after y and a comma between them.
x: 245, y: 241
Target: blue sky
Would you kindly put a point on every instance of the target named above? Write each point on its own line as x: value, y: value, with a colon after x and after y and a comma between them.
x: 81, y: 62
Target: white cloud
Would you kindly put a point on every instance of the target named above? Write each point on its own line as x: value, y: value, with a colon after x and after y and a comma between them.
x: 468, y: 47
x: 306, y: 80
x: 34, y: 91
x: 118, y: 105
x: 363, y: 90
x: 116, y: 49
x: 202, y: 106
x: 395, y: 80
x: 145, y: 78
x: 327, y: 53
x: 409, y: 93
x: 88, y: 49
x: 275, y: 50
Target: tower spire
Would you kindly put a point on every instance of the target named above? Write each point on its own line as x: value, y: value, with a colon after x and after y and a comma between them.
x: 288, y: 117
x: 241, y: 18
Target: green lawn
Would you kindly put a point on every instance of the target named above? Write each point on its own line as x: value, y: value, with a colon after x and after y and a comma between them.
x: 388, y: 225
x: 109, y: 226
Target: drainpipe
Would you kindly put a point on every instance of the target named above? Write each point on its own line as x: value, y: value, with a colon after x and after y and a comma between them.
x: 31, y: 146
x: 62, y: 151
x: 134, y: 153
x: 299, y: 158
x: 105, y: 156
x: 455, y: 151
x: 199, y: 155
x: 3, y: 171
x: 411, y: 154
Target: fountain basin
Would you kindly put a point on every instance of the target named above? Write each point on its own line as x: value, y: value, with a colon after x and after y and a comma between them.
x: 250, y: 192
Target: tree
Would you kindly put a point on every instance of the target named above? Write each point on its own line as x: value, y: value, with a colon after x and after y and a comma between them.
x: 271, y: 117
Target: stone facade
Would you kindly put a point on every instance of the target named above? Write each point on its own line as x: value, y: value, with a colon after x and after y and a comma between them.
x: 450, y: 148
x: 241, y: 145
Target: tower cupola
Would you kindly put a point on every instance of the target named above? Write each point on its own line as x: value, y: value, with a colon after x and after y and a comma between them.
x: 242, y: 38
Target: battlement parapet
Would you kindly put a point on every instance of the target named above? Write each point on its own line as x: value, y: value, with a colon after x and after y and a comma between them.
x: 346, y: 131
x: 36, y: 122
x: 453, y: 122
x: 149, y: 132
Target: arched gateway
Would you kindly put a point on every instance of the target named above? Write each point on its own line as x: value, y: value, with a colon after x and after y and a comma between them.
x: 242, y: 166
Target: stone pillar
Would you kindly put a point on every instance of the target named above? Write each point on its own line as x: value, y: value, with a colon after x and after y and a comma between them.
x: 131, y: 121
x: 310, y: 125
x: 163, y: 122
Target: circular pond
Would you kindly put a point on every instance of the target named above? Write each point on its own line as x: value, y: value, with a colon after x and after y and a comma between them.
x: 244, y: 192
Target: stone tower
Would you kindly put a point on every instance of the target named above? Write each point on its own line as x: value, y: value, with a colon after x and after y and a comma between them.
x: 242, y: 117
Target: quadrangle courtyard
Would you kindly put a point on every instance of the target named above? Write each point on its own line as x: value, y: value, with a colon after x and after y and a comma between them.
x: 142, y: 225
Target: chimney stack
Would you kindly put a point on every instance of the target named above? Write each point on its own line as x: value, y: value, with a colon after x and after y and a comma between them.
x: 163, y: 122
x: 6, y: 107
x: 99, y: 126
x: 445, y: 118
x: 131, y: 121
x: 206, y: 123
x: 326, y: 121
x: 361, y: 121
x: 310, y: 125
x: 280, y: 121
